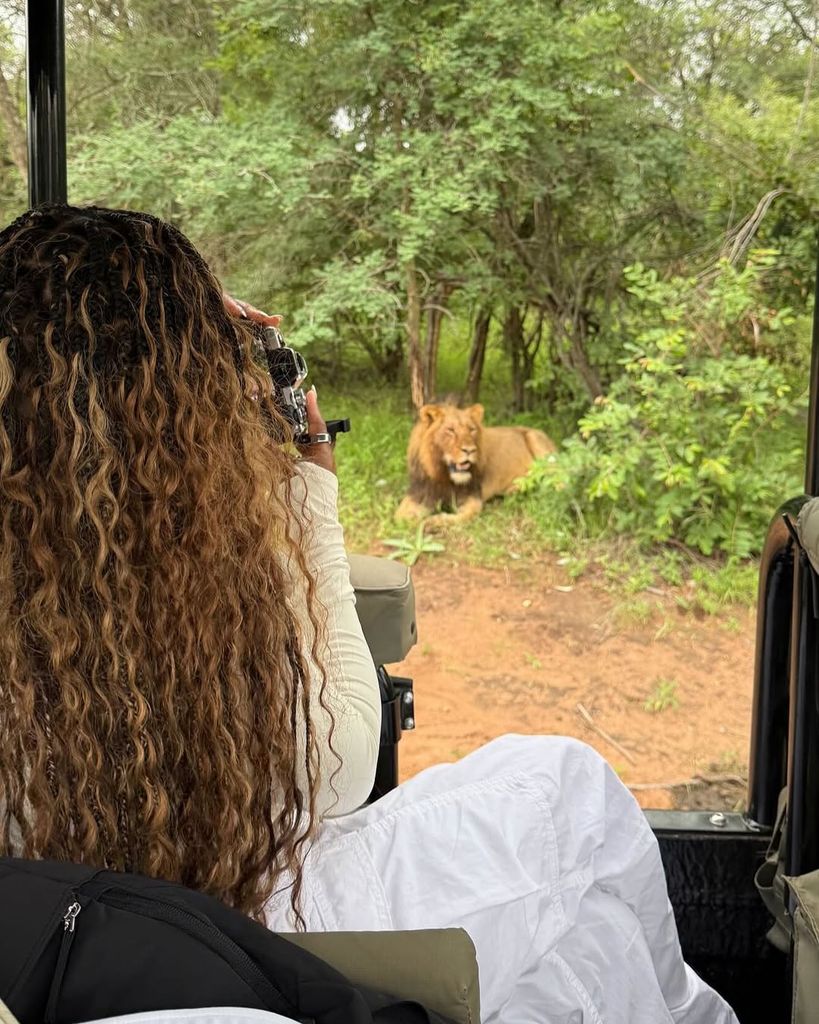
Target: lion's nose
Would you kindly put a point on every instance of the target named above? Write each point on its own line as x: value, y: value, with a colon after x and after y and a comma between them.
x: 470, y: 450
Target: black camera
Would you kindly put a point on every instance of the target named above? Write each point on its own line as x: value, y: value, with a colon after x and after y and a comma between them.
x: 288, y: 370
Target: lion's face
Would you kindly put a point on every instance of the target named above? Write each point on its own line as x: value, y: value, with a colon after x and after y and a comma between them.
x: 456, y: 437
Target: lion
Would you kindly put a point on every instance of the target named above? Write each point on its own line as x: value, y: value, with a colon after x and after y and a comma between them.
x: 457, y: 462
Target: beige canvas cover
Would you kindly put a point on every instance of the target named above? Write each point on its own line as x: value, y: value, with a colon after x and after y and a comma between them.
x: 805, y: 928
x: 385, y: 602
x: 436, y: 967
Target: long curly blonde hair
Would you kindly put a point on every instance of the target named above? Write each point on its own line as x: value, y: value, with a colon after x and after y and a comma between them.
x: 154, y: 689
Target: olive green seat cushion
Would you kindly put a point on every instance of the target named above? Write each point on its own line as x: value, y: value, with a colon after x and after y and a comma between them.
x: 436, y: 967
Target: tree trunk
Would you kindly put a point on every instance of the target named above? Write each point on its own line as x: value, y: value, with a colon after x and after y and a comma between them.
x: 13, y: 126
x: 477, y: 355
x: 580, y: 362
x: 415, y: 355
x: 514, y: 344
x: 392, y: 360
x: 527, y: 373
x: 387, y: 360
x: 570, y: 348
x: 435, y: 318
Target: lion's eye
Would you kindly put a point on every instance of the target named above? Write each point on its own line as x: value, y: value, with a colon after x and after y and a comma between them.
x: 449, y: 432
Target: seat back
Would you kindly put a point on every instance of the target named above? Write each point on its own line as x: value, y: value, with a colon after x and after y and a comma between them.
x: 437, y: 967
x: 385, y: 601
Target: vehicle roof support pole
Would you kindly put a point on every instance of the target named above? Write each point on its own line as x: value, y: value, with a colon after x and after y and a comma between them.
x: 45, y: 78
x: 803, y: 733
x: 812, y: 457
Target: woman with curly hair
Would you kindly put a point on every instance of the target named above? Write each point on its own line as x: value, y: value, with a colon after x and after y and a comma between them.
x: 184, y: 687
x: 160, y: 701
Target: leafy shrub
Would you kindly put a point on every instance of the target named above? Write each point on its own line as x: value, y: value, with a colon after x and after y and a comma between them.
x: 697, y: 439
x: 410, y: 549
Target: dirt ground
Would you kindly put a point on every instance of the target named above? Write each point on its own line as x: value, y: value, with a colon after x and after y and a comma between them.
x: 526, y: 650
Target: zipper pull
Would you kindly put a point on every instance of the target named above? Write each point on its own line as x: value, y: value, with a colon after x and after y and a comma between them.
x: 70, y: 917
x: 72, y: 912
x: 69, y: 924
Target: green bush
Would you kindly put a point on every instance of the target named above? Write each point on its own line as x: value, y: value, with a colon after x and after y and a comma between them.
x: 697, y: 439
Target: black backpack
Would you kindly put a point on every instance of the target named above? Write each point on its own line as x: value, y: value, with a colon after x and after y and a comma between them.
x: 78, y: 944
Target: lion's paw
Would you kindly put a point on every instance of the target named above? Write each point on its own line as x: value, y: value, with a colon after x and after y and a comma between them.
x: 440, y: 521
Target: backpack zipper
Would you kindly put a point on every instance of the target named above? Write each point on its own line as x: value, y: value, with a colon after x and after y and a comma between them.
x: 209, y: 934
x: 39, y: 949
x: 72, y: 912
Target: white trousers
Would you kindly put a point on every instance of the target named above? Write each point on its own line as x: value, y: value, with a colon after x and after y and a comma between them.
x: 535, y: 847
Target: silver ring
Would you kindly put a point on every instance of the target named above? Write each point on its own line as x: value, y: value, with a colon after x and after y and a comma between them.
x: 308, y: 439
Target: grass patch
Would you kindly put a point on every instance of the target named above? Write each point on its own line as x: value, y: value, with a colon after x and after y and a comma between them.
x: 663, y: 697
x: 635, y: 611
x: 732, y: 583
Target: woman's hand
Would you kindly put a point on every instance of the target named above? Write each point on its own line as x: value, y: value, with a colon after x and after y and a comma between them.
x: 321, y: 454
x: 244, y: 311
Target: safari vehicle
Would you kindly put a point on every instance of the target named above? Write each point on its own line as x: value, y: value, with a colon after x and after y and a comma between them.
x: 711, y: 857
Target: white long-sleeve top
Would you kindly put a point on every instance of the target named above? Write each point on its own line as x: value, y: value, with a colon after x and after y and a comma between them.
x: 351, y: 694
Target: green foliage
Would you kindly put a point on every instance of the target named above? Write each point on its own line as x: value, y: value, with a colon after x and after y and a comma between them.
x: 635, y: 611
x: 410, y: 549
x: 715, y: 588
x: 663, y: 696
x: 696, y: 440
x: 503, y: 157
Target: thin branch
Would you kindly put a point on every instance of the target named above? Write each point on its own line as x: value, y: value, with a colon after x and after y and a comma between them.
x: 742, y: 236
x: 587, y: 718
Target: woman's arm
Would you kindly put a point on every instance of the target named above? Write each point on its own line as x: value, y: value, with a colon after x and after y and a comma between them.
x: 351, y: 694
x: 352, y: 702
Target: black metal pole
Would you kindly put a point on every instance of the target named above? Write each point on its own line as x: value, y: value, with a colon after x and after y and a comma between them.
x: 803, y: 771
x: 803, y: 736
x: 812, y: 457
x: 45, y: 72
x: 767, y: 772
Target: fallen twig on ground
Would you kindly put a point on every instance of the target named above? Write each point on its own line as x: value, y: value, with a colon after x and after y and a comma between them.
x: 587, y: 718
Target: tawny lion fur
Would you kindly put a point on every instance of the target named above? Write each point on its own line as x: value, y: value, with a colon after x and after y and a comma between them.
x: 456, y: 462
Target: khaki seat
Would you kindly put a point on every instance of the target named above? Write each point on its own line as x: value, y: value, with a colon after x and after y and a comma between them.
x: 385, y: 601
x: 436, y: 967
x: 805, y: 928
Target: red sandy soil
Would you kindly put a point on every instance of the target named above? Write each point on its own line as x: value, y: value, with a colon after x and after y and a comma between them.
x: 518, y: 649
